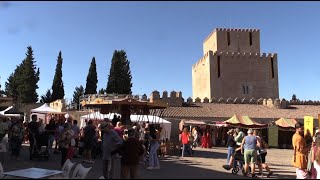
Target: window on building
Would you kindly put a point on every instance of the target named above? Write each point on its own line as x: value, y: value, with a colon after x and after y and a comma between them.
x: 250, y: 38
x: 244, y: 89
x: 247, y: 89
x: 272, y: 70
x: 218, y: 59
x: 228, y: 36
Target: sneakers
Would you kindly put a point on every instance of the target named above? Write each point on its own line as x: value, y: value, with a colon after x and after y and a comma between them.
x: 269, y: 174
x: 149, y: 168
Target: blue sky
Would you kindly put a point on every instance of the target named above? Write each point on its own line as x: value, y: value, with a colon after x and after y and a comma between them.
x: 162, y: 40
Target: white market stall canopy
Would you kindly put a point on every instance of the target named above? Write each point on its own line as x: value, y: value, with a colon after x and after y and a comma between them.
x: 45, y: 109
x: 6, y: 114
x: 166, y: 125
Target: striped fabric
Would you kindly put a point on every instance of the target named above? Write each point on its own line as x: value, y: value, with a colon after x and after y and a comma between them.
x: 242, y: 120
x: 286, y: 123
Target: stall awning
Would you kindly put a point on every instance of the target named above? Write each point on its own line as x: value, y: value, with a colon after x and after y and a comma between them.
x: 286, y: 123
x: 243, y: 121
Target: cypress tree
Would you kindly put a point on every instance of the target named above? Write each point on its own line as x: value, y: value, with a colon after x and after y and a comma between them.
x: 46, y: 98
x: 78, y: 92
x: 11, y: 88
x: 57, y: 85
x: 101, y: 91
x: 119, y: 80
x: 22, y: 84
x: 92, y: 79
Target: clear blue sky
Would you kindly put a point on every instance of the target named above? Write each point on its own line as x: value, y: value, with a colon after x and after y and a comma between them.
x: 162, y: 40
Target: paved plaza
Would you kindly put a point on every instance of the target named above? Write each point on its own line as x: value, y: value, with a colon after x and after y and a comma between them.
x: 205, y: 164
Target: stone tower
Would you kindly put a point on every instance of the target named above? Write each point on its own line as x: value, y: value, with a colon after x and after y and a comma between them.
x: 232, y: 66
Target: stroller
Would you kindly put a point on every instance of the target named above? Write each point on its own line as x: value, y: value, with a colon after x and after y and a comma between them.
x: 40, y: 141
x: 238, y: 162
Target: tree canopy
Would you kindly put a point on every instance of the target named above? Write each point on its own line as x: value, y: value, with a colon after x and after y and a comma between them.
x: 57, y: 85
x: 22, y: 83
x: 92, y: 78
x: 119, y: 79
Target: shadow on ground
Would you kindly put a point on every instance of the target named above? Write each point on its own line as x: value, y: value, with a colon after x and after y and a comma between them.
x: 205, y: 165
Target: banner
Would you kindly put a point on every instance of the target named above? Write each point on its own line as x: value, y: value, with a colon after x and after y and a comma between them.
x: 308, y: 125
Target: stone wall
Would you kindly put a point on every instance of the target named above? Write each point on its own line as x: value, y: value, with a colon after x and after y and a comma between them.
x: 272, y: 103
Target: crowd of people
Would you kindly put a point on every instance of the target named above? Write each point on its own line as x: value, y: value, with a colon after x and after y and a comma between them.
x: 247, y: 151
x: 122, y: 147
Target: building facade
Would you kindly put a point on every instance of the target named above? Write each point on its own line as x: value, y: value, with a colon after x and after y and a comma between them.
x: 232, y: 66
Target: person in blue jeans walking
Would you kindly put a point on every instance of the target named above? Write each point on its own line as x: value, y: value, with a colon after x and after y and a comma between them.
x: 231, y: 143
x: 154, y: 146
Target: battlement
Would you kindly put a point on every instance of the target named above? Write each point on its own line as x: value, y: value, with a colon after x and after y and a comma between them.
x: 175, y: 98
x: 261, y: 56
x: 202, y: 59
x: 231, y: 30
x: 271, y: 103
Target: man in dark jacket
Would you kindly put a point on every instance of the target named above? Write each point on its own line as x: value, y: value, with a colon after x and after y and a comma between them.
x: 33, y: 127
x: 131, y: 151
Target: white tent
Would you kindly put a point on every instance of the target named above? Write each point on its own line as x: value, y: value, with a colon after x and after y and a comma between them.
x: 42, y: 112
x: 95, y: 116
x: 44, y: 109
x: 166, y: 125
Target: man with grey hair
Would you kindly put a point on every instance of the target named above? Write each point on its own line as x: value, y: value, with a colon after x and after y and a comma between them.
x: 131, y: 151
x: 110, y: 143
x: 250, y: 144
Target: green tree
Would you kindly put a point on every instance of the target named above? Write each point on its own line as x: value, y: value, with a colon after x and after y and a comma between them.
x: 10, y: 87
x: 101, y: 91
x: 47, y: 97
x: 2, y: 92
x: 57, y: 85
x: 22, y: 84
x: 119, y: 80
x: 294, y: 97
x: 78, y: 92
x: 92, y: 79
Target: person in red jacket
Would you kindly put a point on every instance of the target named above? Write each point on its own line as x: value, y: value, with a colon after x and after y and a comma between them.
x: 185, y: 135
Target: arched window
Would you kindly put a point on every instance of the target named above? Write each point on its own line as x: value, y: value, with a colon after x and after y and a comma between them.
x: 247, y: 89
x: 244, y: 89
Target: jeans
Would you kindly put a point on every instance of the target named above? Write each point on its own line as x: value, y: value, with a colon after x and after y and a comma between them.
x: 230, y: 153
x: 153, y: 156
x: 50, y: 142
x: 186, y: 147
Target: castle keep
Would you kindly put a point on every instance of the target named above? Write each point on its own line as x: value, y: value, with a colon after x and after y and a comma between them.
x: 232, y: 66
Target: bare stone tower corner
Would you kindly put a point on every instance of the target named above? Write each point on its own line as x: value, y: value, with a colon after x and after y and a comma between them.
x: 232, y: 66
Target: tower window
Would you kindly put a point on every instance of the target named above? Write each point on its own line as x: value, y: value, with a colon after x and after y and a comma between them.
x: 244, y: 89
x: 247, y: 89
x: 228, y: 36
x: 250, y: 38
x: 218, y: 66
x: 272, y: 70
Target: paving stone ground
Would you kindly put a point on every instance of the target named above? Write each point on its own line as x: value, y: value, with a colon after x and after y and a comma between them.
x: 205, y: 164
